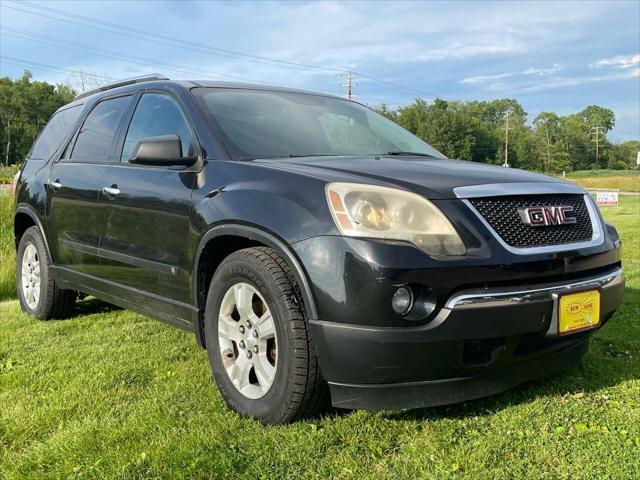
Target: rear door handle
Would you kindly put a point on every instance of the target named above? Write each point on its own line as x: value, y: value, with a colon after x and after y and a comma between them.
x: 56, y: 185
x: 111, y: 191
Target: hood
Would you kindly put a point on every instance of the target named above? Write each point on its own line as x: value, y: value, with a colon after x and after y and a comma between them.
x: 433, y: 178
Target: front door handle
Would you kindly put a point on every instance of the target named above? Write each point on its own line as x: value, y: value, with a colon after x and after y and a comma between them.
x: 56, y: 185
x: 111, y: 191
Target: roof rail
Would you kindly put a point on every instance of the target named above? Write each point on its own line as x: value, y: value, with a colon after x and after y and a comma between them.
x: 122, y: 83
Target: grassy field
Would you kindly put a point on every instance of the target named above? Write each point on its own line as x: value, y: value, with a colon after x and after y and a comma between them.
x: 7, y: 252
x: 630, y: 184
x: 111, y: 394
x: 602, y: 173
x: 7, y: 173
x: 628, y: 180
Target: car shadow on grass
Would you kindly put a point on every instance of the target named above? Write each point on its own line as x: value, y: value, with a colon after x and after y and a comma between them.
x: 558, y: 385
x: 91, y: 305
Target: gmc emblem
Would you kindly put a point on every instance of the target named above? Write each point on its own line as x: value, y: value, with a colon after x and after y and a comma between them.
x: 545, y: 216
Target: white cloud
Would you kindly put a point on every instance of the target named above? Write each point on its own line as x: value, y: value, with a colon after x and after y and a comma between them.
x: 620, y: 61
x: 529, y: 71
x: 361, y: 34
x: 520, y: 84
x: 542, y: 71
x: 559, y: 82
x: 486, y: 78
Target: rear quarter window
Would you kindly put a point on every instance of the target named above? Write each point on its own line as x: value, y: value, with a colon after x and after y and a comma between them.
x: 54, y: 132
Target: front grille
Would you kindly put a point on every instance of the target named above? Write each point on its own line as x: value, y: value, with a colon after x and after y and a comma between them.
x: 502, y: 214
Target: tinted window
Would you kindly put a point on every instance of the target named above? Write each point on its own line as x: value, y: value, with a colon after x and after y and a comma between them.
x: 54, y: 132
x: 346, y: 135
x: 156, y: 115
x: 95, y: 140
x: 260, y: 123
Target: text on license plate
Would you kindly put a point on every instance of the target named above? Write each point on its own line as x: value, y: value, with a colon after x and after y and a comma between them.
x: 578, y: 311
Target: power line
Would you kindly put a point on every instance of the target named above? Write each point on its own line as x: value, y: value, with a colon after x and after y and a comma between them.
x: 58, y: 42
x: 175, y: 42
x: 401, y: 87
x: 171, y: 41
x: 19, y: 62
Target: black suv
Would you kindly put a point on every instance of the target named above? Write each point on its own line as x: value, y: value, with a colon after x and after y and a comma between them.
x: 316, y: 249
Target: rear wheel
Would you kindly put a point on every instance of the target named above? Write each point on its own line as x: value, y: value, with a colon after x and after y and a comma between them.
x: 257, y: 340
x: 37, y: 290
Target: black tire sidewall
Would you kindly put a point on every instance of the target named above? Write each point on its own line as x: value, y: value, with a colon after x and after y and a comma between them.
x: 32, y: 236
x: 270, y: 408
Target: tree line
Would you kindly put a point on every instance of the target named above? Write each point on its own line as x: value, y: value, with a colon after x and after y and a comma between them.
x: 25, y: 108
x: 474, y: 130
x: 497, y: 130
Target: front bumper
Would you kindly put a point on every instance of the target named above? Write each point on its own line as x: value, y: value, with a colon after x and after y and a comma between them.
x: 481, y: 342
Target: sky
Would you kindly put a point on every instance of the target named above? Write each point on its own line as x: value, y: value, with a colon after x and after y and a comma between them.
x: 550, y: 56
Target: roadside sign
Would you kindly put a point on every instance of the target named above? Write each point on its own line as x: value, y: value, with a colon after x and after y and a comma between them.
x: 607, y: 198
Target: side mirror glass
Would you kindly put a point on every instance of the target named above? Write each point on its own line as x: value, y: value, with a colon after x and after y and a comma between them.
x: 165, y: 150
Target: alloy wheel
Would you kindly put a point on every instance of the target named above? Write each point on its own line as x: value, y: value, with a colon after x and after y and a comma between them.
x: 31, y: 276
x: 247, y: 340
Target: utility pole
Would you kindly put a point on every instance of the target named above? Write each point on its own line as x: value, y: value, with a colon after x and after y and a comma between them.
x: 506, y: 139
x: 595, y: 132
x: 349, y: 84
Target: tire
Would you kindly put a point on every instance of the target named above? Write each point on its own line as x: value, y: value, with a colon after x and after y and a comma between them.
x: 297, y: 389
x: 48, y: 301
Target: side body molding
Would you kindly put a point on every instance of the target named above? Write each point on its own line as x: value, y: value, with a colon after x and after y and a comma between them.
x: 266, y: 238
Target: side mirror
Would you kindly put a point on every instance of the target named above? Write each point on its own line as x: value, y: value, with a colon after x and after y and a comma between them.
x: 165, y: 150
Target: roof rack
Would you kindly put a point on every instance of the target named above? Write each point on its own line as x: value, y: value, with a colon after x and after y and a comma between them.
x: 122, y: 83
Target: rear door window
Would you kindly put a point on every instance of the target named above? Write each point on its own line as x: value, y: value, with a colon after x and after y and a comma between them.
x: 96, y: 140
x: 54, y: 132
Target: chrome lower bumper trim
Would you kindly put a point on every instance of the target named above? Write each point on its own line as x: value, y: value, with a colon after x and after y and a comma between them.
x: 504, y: 296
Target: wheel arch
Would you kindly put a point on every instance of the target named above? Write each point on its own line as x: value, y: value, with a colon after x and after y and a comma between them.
x: 24, y: 218
x: 244, y: 236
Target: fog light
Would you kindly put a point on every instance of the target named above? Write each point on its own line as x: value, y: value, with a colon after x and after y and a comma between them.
x: 402, y: 300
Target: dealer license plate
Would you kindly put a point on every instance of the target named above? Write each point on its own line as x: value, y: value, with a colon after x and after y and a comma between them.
x: 578, y: 311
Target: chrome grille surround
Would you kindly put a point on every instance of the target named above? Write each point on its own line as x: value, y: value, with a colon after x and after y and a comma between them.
x: 534, y: 189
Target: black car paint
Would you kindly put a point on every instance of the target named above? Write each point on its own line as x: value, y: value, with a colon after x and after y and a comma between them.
x: 147, y: 254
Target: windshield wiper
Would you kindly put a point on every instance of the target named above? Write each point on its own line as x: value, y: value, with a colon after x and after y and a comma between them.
x: 294, y: 155
x: 411, y: 154
x: 278, y: 157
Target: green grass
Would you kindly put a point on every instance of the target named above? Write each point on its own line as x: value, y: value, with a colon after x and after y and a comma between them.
x: 111, y: 394
x: 629, y: 184
x: 7, y: 251
x: 602, y: 173
x: 628, y: 180
x: 7, y: 173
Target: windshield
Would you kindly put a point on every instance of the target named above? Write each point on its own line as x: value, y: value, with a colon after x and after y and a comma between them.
x: 271, y: 124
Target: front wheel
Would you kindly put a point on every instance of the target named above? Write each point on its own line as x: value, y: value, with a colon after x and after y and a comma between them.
x: 37, y: 290
x: 257, y: 340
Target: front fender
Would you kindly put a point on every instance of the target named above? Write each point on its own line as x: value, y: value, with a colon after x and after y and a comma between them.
x: 253, y: 232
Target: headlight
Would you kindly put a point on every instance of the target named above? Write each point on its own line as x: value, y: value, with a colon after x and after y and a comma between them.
x: 380, y: 212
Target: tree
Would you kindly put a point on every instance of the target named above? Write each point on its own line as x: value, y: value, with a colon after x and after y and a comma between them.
x: 385, y: 111
x: 476, y: 131
x: 624, y: 155
x: 595, y: 116
x: 25, y: 107
x: 547, y: 133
